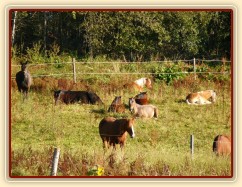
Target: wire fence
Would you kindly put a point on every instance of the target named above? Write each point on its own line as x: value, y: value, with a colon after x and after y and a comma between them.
x: 74, y: 73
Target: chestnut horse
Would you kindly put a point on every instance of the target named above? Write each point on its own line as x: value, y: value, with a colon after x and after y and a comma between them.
x: 82, y: 97
x: 114, y: 131
x: 146, y: 111
x: 144, y: 82
x: 139, y: 84
x: 201, y: 97
x: 141, y: 98
x: 117, y: 105
x: 24, y: 80
x: 222, y: 145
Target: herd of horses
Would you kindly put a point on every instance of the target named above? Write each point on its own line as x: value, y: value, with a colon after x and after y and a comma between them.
x: 114, y: 131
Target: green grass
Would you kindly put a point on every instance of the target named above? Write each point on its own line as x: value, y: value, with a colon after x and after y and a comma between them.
x: 160, y: 148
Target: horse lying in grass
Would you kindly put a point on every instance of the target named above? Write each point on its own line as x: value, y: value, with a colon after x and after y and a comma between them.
x: 139, y: 84
x: 145, y: 111
x: 23, y: 80
x: 142, y: 82
x: 222, y: 145
x: 83, y: 97
x: 141, y: 98
x: 114, y: 131
x: 201, y: 98
x: 117, y: 105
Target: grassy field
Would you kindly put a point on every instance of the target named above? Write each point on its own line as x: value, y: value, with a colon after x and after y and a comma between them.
x: 160, y: 148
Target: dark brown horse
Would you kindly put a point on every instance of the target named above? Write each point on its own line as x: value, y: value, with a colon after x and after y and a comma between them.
x: 222, y: 145
x: 141, y: 98
x: 117, y: 105
x: 82, y: 97
x: 114, y: 131
x: 24, y: 80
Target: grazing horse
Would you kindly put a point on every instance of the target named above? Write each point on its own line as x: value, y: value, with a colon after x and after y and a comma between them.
x: 114, y: 131
x: 69, y: 97
x: 201, y: 98
x: 141, y: 98
x: 117, y: 105
x: 24, y: 80
x: 222, y: 145
x: 139, y: 84
x: 146, y: 111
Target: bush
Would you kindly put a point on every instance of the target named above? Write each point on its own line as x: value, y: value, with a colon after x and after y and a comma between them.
x: 168, y: 74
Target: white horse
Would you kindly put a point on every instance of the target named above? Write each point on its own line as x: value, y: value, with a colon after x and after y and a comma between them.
x: 201, y: 98
x: 146, y: 111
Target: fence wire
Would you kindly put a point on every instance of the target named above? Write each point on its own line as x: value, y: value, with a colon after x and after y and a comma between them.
x: 121, y: 73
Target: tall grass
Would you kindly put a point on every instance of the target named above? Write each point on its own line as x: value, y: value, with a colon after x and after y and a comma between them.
x: 160, y: 148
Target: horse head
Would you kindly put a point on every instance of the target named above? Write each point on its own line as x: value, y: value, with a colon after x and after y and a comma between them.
x: 57, y: 95
x: 132, y: 104
x: 23, y: 66
x: 148, y: 83
x: 130, y: 128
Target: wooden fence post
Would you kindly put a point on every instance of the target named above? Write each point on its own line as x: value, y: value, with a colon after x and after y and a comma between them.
x: 55, y: 162
x: 194, y: 68
x: 192, y: 145
x: 74, y: 69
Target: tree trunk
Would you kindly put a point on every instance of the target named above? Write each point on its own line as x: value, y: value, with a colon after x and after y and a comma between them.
x: 14, y: 26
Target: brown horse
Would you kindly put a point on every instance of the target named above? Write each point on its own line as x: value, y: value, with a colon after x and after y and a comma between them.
x: 24, y: 80
x: 141, y: 98
x: 83, y: 97
x: 133, y: 86
x: 145, y: 111
x: 117, y: 105
x: 222, y: 145
x: 114, y: 131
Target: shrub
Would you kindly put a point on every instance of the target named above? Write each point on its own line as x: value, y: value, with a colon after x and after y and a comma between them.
x: 168, y: 74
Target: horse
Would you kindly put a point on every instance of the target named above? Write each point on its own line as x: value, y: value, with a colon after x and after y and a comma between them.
x: 117, y: 105
x: 83, y: 97
x: 201, y: 98
x: 141, y: 98
x: 222, y: 145
x: 23, y: 80
x: 114, y: 131
x: 139, y: 84
x: 144, y: 82
x: 146, y: 111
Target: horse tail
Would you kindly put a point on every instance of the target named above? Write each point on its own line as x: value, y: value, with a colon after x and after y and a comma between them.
x: 156, y: 112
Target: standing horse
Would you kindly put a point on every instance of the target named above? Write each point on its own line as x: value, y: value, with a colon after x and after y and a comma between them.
x: 83, y: 97
x: 141, y: 98
x: 146, y: 111
x: 201, y: 98
x: 117, y: 105
x: 24, y: 80
x: 222, y: 145
x: 114, y: 131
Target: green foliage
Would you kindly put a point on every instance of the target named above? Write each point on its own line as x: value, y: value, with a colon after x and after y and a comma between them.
x: 168, y: 73
x: 34, y: 54
x: 126, y: 35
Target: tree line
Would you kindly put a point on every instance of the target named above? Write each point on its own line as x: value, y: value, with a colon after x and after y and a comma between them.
x: 123, y: 35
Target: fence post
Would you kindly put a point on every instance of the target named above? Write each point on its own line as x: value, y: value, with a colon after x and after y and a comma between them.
x: 74, y: 69
x: 192, y: 145
x: 194, y: 68
x: 55, y: 162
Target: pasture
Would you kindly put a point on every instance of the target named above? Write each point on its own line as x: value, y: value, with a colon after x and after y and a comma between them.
x: 160, y: 147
